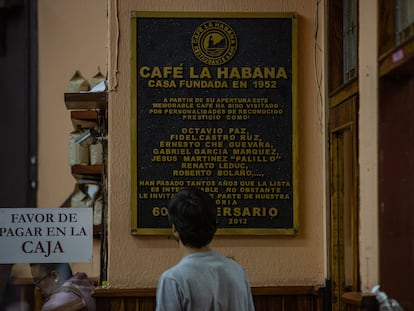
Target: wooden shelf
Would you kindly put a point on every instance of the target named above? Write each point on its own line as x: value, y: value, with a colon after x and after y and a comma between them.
x: 97, y: 230
x: 86, y: 169
x: 86, y: 110
x: 367, y: 301
x: 86, y: 100
x: 84, y: 114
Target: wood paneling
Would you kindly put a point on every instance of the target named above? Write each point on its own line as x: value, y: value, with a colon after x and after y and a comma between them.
x: 395, y: 189
x: 284, y: 298
x: 278, y: 298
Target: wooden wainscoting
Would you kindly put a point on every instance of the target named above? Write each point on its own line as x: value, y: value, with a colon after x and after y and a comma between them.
x: 280, y: 298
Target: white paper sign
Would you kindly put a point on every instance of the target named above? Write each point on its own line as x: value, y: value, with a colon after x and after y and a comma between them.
x: 31, y: 235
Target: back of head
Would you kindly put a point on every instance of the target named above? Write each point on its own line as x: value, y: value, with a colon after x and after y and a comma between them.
x: 193, y: 212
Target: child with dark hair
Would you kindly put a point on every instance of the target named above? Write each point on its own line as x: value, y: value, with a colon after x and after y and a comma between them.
x: 203, y: 279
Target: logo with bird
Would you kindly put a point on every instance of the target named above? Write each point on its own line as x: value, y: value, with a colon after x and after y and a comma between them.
x: 214, y: 43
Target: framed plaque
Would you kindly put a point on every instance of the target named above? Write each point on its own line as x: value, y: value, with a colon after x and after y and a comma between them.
x: 214, y: 105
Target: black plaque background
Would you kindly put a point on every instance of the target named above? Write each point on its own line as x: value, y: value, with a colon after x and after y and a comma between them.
x: 262, y: 42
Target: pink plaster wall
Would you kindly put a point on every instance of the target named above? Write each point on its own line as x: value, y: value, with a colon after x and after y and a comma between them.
x: 72, y: 35
x: 270, y: 260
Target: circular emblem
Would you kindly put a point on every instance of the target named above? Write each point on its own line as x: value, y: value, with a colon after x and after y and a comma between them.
x: 214, y: 43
